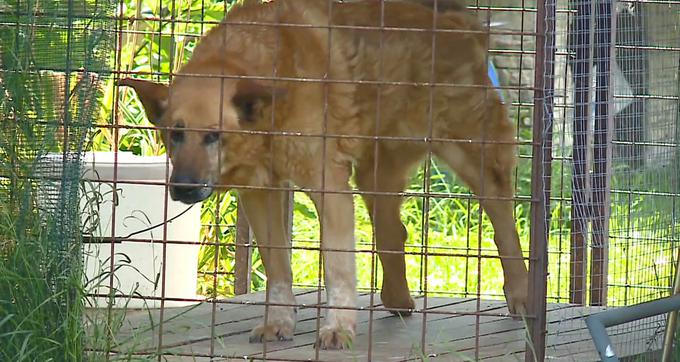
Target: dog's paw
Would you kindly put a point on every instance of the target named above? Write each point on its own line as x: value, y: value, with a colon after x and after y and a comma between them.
x: 401, y: 305
x: 517, y: 299
x: 403, y: 309
x: 518, y: 308
x: 335, y: 337
x: 271, y: 332
x: 280, y: 326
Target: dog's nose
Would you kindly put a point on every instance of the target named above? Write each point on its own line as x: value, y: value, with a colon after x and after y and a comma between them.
x: 190, y: 190
x: 189, y: 184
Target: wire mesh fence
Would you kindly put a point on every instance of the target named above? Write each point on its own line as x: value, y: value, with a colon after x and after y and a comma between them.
x: 53, y: 63
x: 590, y: 91
x: 645, y: 175
x: 619, y: 199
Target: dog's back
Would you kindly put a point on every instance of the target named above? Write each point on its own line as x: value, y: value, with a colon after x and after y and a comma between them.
x: 407, y: 57
x: 400, y: 55
x: 429, y: 68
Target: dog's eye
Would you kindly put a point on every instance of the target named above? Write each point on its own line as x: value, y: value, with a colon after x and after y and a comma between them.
x: 246, y: 108
x: 211, y: 137
x: 176, y: 136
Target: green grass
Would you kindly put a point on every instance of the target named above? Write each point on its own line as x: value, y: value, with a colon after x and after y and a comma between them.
x: 40, y: 312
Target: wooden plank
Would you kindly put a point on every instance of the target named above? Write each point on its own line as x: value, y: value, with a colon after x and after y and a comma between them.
x: 195, y: 324
x: 139, y: 318
x: 306, y: 328
x: 393, y: 338
x: 501, y: 337
x: 452, y: 333
x: 237, y: 333
x: 542, y: 133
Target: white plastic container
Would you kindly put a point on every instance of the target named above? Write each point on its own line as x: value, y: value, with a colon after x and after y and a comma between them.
x: 137, y: 265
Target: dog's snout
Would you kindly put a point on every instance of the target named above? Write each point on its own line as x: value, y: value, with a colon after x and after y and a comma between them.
x: 189, y: 189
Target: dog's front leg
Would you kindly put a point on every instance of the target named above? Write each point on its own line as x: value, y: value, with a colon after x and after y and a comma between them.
x: 337, y: 245
x: 265, y: 212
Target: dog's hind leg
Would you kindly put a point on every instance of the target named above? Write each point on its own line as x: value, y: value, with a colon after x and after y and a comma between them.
x: 494, y: 188
x: 265, y: 212
x: 389, y: 175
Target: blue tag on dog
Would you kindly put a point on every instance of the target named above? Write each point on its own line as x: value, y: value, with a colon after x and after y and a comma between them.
x: 493, y: 75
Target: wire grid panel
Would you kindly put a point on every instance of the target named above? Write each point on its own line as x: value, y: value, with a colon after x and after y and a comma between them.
x: 622, y: 143
x: 450, y: 250
x: 602, y: 146
x: 575, y: 141
x: 646, y: 164
x: 54, y: 62
x: 645, y: 183
x: 647, y: 341
x: 615, y: 162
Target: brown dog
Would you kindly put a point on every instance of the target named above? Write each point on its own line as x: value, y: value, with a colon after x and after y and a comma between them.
x: 279, y: 98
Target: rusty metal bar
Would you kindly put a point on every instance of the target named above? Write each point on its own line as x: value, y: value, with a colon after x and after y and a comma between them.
x: 540, y: 178
x: 672, y: 318
x: 109, y: 338
x: 580, y: 44
x: 602, y: 153
x: 166, y: 200
x: 244, y: 242
x: 243, y: 255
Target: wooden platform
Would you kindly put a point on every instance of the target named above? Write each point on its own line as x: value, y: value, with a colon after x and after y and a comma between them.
x: 452, y: 334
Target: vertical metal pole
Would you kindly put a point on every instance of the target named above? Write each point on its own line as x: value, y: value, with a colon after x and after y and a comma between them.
x: 581, y: 66
x: 244, y: 245
x: 671, y: 323
x: 673, y: 316
x: 243, y: 254
x: 602, y: 150
x: 540, y: 177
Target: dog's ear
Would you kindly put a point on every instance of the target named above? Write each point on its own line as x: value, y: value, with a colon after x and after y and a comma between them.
x: 248, y: 93
x: 154, y: 96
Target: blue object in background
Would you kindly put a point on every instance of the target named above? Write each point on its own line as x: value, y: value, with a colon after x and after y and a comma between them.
x: 493, y: 75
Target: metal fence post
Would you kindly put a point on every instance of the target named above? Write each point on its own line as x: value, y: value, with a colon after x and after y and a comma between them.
x: 580, y: 44
x: 605, y: 58
x: 243, y: 257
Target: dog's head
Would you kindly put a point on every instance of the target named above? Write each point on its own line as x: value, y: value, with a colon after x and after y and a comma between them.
x: 193, y: 114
